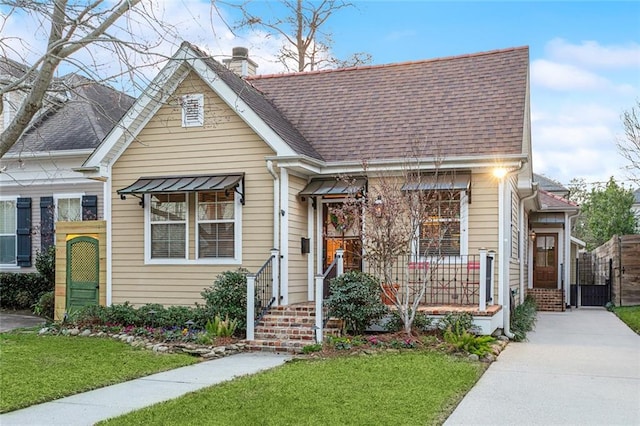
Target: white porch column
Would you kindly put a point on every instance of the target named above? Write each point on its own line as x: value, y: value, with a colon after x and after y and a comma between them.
x: 310, y: 256
x: 251, y: 314
x: 106, y: 197
x: 275, y: 275
x: 339, y: 262
x: 319, y: 284
x: 284, y: 235
x: 482, y: 293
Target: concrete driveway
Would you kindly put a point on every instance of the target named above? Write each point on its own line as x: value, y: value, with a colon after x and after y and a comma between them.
x: 579, y: 367
x: 10, y: 321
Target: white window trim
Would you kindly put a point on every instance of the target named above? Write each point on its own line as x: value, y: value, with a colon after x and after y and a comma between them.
x: 236, y: 260
x: 464, y: 234
x: 195, y: 98
x: 57, y: 197
x: 237, y: 234
x: 148, y: 260
x: 15, y: 263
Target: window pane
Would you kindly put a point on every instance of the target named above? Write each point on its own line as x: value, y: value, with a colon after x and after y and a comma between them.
x: 440, y: 232
x: 69, y: 209
x: 8, y: 249
x: 215, y: 206
x: 168, y: 241
x: 216, y: 240
x: 8, y: 217
x: 168, y: 207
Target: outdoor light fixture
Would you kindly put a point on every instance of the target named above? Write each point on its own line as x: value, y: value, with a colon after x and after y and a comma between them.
x: 377, y: 206
x: 532, y: 235
x: 500, y: 172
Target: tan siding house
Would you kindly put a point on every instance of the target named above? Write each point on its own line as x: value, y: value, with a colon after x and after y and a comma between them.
x: 212, y: 171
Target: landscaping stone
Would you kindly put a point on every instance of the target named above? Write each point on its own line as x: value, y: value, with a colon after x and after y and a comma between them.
x: 74, y: 332
x: 489, y: 358
x: 503, y: 338
x: 473, y: 357
x: 42, y: 331
x: 85, y: 333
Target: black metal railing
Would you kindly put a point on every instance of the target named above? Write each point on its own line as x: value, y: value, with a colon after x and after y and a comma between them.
x: 439, y: 280
x: 264, y: 289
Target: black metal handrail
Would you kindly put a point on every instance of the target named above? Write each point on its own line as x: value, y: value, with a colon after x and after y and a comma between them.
x: 264, y: 289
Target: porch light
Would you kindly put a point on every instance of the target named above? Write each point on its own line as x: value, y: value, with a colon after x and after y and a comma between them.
x: 532, y: 235
x: 377, y: 206
x: 500, y: 172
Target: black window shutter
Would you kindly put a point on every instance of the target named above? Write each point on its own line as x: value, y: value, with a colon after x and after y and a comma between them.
x: 89, y: 207
x: 24, y: 231
x: 46, y: 222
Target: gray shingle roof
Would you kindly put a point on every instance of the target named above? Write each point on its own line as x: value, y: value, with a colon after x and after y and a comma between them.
x: 548, y: 184
x: 81, y: 122
x: 457, y: 106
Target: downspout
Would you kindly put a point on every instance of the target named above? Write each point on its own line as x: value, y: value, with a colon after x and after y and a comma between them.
x: 106, y: 197
x: 276, y: 205
x: 524, y: 237
x: 504, y: 294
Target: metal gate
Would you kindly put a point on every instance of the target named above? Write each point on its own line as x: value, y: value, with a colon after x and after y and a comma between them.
x: 83, y: 272
x: 593, y: 281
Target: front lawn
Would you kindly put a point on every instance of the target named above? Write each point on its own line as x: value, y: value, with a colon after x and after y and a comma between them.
x: 410, y: 388
x: 630, y: 315
x: 37, y: 369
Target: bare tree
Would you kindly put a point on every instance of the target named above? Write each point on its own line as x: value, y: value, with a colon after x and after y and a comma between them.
x: 629, y: 146
x: 308, y: 43
x: 71, y: 28
x: 398, y: 239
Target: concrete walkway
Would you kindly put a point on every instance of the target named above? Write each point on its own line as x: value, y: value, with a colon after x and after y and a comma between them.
x: 580, y: 367
x: 100, y: 404
x: 12, y: 320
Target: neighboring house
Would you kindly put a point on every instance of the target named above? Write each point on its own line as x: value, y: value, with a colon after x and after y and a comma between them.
x: 208, y: 171
x: 555, y: 251
x: 39, y: 185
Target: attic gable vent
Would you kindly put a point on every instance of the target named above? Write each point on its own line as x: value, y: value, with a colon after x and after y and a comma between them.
x: 193, y: 110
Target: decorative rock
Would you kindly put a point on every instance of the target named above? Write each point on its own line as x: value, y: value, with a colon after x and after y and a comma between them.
x: 368, y: 351
x: 219, y: 350
x: 43, y: 330
x: 130, y: 339
x: 497, y: 333
x: 124, y: 337
x: 100, y: 334
x: 473, y: 357
x: 64, y: 332
x: 74, y: 332
x: 503, y: 338
x: 489, y: 358
x: 210, y: 355
x: 85, y: 333
x: 196, y: 351
x: 160, y: 348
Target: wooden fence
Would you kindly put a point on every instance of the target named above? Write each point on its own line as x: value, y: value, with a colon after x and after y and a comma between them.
x: 625, y: 252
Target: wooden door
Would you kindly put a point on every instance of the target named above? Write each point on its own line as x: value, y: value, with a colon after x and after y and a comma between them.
x: 545, y: 261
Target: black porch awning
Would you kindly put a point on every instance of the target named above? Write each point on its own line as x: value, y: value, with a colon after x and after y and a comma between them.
x: 333, y: 186
x: 156, y: 184
x: 460, y: 181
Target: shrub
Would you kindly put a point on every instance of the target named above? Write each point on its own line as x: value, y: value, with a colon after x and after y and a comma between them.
x: 458, y: 322
x: 421, y: 322
x: 221, y: 328
x: 46, y: 265
x: 21, y: 291
x: 227, y: 297
x: 124, y: 314
x: 355, y: 298
x: 468, y: 342
x: 45, y: 307
x: 523, y: 319
x: 91, y: 315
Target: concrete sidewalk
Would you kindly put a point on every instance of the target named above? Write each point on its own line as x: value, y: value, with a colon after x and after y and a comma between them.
x: 580, y: 367
x: 100, y: 404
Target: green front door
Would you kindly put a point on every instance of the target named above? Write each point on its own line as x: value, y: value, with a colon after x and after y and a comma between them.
x: 83, y: 272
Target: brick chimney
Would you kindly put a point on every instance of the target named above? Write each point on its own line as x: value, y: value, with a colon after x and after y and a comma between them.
x: 240, y: 62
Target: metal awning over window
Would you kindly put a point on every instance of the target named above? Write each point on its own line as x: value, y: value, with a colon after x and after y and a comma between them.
x: 333, y: 186
x: 158, y: 184
x: 443, y: 182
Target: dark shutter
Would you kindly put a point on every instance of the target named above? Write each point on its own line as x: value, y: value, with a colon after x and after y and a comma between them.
x: 47, y: 208
x: 89, y: 207
x: 24, y: 231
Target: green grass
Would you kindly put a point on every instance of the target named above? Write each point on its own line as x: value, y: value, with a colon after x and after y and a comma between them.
x: 630, y: 315
x: 37, y: 369
x: 401, y: 389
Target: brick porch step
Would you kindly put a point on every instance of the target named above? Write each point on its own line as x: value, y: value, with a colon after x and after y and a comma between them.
x: 289, y: 328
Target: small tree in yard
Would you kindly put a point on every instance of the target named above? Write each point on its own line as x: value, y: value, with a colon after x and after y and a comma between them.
x: 395, y: 212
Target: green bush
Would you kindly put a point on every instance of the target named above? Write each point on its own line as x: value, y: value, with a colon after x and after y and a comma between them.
x: 221, y: 328
x: 469, y: 342
x: 45, y: 307
x: 421, y: 322
x: 22, y: 291
x: 46, y: 265
x: 227, y: 297
x: 149, y: 315
x: 523, y: 319
x: 458, y: 322
x: 355, y: 298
